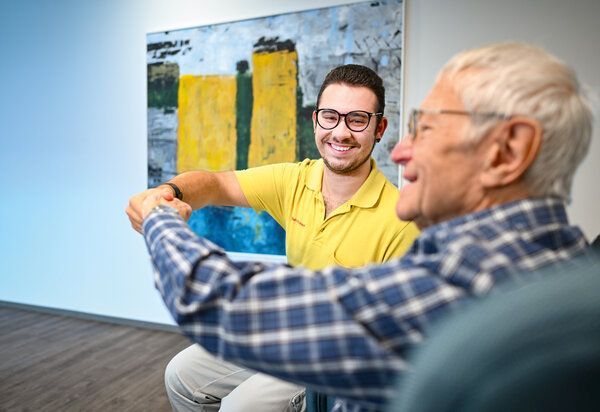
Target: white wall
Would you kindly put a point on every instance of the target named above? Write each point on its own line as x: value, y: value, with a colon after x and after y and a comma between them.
x: 437, y: 29
x: 73, y: 146
x: 73, y: 136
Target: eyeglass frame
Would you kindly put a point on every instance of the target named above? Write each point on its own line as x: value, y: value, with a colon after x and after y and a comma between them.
x: 340, y: 115
x: 414, y: 113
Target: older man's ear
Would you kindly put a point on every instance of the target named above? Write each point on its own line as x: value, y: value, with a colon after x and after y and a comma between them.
x: 515, y: 146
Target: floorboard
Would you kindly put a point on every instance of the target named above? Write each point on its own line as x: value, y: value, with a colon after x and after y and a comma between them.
x: 50, y: 362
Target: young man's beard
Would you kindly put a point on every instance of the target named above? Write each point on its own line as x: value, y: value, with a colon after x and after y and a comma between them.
x: 352, y: 166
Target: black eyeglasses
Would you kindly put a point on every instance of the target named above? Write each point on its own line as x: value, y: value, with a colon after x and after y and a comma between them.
x: 416, y: 113
x: 356, y: 120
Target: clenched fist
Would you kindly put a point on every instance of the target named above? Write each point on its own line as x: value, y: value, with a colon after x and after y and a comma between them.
x: 141, y: 204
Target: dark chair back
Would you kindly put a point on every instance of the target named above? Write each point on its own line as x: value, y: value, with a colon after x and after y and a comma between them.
x: 533, y: 348
x: 596, y: 244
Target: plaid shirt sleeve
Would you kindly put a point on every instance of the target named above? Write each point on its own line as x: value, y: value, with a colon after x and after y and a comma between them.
x: 340, y: 331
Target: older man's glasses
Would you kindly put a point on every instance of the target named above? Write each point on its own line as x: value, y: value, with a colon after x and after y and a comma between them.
x: 356, y: 120
x: 415, y: 115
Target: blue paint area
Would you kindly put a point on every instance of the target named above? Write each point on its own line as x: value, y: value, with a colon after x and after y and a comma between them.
x: 238, y: 229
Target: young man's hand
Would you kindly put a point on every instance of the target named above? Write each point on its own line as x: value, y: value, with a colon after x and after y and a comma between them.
x: 141, y: 204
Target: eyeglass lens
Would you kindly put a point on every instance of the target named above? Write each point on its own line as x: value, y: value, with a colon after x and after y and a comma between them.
x: 357, y: 121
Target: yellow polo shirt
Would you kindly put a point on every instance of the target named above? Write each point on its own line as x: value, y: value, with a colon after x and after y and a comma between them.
x: 363, y: 230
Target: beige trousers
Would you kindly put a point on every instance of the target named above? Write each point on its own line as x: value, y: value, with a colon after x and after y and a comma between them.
x: 198, y: 381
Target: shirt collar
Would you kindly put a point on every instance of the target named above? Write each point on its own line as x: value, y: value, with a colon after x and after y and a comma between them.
x: 366, y: 196
x: 524, y: 214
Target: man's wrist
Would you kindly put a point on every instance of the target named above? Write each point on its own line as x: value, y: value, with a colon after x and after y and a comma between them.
x: 163, y: 208
x: 156, y: 215
x: 176, y: 190
x: 160, y: 208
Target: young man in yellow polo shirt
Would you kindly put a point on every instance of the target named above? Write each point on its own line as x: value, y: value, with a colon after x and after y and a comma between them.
x: 359, y: 231
x: 335, y: 210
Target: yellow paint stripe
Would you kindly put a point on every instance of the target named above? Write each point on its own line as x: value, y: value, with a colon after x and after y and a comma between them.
x: 206, y: 136
x: 273, y: 126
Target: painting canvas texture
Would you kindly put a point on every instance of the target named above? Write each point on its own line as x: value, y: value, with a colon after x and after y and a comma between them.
x: 237, y: 95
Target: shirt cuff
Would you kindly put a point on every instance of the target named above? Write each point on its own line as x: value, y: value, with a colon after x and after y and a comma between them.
x: 157, y: 214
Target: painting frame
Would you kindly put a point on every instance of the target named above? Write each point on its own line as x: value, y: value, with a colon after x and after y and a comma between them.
x: 183, y: 64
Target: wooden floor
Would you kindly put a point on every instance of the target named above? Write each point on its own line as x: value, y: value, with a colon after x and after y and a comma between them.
x: 50, y: 362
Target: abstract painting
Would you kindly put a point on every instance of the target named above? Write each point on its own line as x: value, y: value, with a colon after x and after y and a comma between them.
x: 237, y: 95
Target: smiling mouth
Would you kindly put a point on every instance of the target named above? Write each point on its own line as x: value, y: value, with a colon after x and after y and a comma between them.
x: 339, y: 148
x: 409, y: 178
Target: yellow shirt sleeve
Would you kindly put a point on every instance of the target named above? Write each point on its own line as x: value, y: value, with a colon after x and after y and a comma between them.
x: 402, y: 242
x: 404, y: 232
x: 265, y: 188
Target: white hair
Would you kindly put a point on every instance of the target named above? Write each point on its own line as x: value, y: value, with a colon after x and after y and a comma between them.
x: 520, y: 79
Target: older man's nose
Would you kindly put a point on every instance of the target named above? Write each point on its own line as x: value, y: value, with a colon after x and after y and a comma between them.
x: 402, y: 152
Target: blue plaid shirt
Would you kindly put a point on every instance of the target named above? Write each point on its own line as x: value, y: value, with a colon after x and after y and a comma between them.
x: 346, y: 331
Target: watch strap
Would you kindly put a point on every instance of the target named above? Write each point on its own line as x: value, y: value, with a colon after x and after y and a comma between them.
x: 176, y: 190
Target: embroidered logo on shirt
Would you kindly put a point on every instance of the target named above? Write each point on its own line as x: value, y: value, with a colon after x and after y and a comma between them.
x: 297, y: 221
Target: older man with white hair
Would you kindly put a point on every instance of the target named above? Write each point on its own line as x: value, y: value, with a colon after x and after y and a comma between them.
x: 489, y: 158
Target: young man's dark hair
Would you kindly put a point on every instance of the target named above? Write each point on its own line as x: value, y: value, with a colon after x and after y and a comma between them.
x: 356, y: 75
